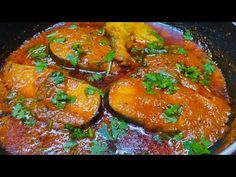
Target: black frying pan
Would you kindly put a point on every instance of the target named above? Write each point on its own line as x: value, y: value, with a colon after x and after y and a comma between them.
x: 219, y: 37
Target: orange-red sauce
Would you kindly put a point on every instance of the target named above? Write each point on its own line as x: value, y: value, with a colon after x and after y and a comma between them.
x: 17, y: 138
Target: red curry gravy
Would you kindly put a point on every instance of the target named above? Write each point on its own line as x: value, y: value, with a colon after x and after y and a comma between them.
x: 49, y: 136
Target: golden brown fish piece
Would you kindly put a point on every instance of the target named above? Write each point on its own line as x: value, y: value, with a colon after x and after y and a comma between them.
x: 200, y: 116
x: 123, y: 34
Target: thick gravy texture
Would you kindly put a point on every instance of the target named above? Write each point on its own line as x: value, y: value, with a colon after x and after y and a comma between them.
x: 111, y: 88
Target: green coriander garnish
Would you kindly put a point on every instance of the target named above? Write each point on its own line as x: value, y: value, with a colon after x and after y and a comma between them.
x: 181, y: 51
x: 161, y: 80
x: 40, y: 66
x: 60, y: 40
x: 78, y: 133
x: 61, y: 98
x: 103, y: 42
x: 189, y: 72
x: 172, y: 113
x: 52, y: 36
x: 19, y: 111
x: 188, y: 36
x: 38, y: 51
x: 197, y: 148
x: 69, y: 145
x: 108, y: 58
x: 90, y: 90
x: 208, y: 69
x: 73, y: 59
x: 95, y: 77
x: 98, y: 148
x: 117, y: 129
x: 57, y: 77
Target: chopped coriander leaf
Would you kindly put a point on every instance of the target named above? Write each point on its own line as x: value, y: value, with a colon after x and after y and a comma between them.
x: 77, y: 48
x: 57, y: 77
x: 119, y: 128
x: 197, y: 148
x: 208, y: 69
x: 73, y: 59
x: 161, y: 80
x: 95, y: 77
x: 110, y: 56
x: 20, y: 112
x: 70, y: 144
x: 74, y: 26
x: 206, y: 80
x: 116, y: 129
x: 181, y: 51
x: 60, y: 40
x: 78, y: 133
x: 61, y: 98
x: 77, y: 52
x: 172, y: 112
x: 90, y: 90
x: 188, y: 36
x: 101, y: 31
x: 38, y: 51
x: 157, y: 138
x: 103, y: 131
x: 40, y: 66
x: 153, y: 48
x: 159, y: 38
x: 98, y: 148
x: 12, y: 94
x: 189, y: 72
x: 103, y: 42
x: 178, y: 137
x: 52, y: 36
x: 138, y: 55
x: 29, y: 122
x: 205, y: 142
